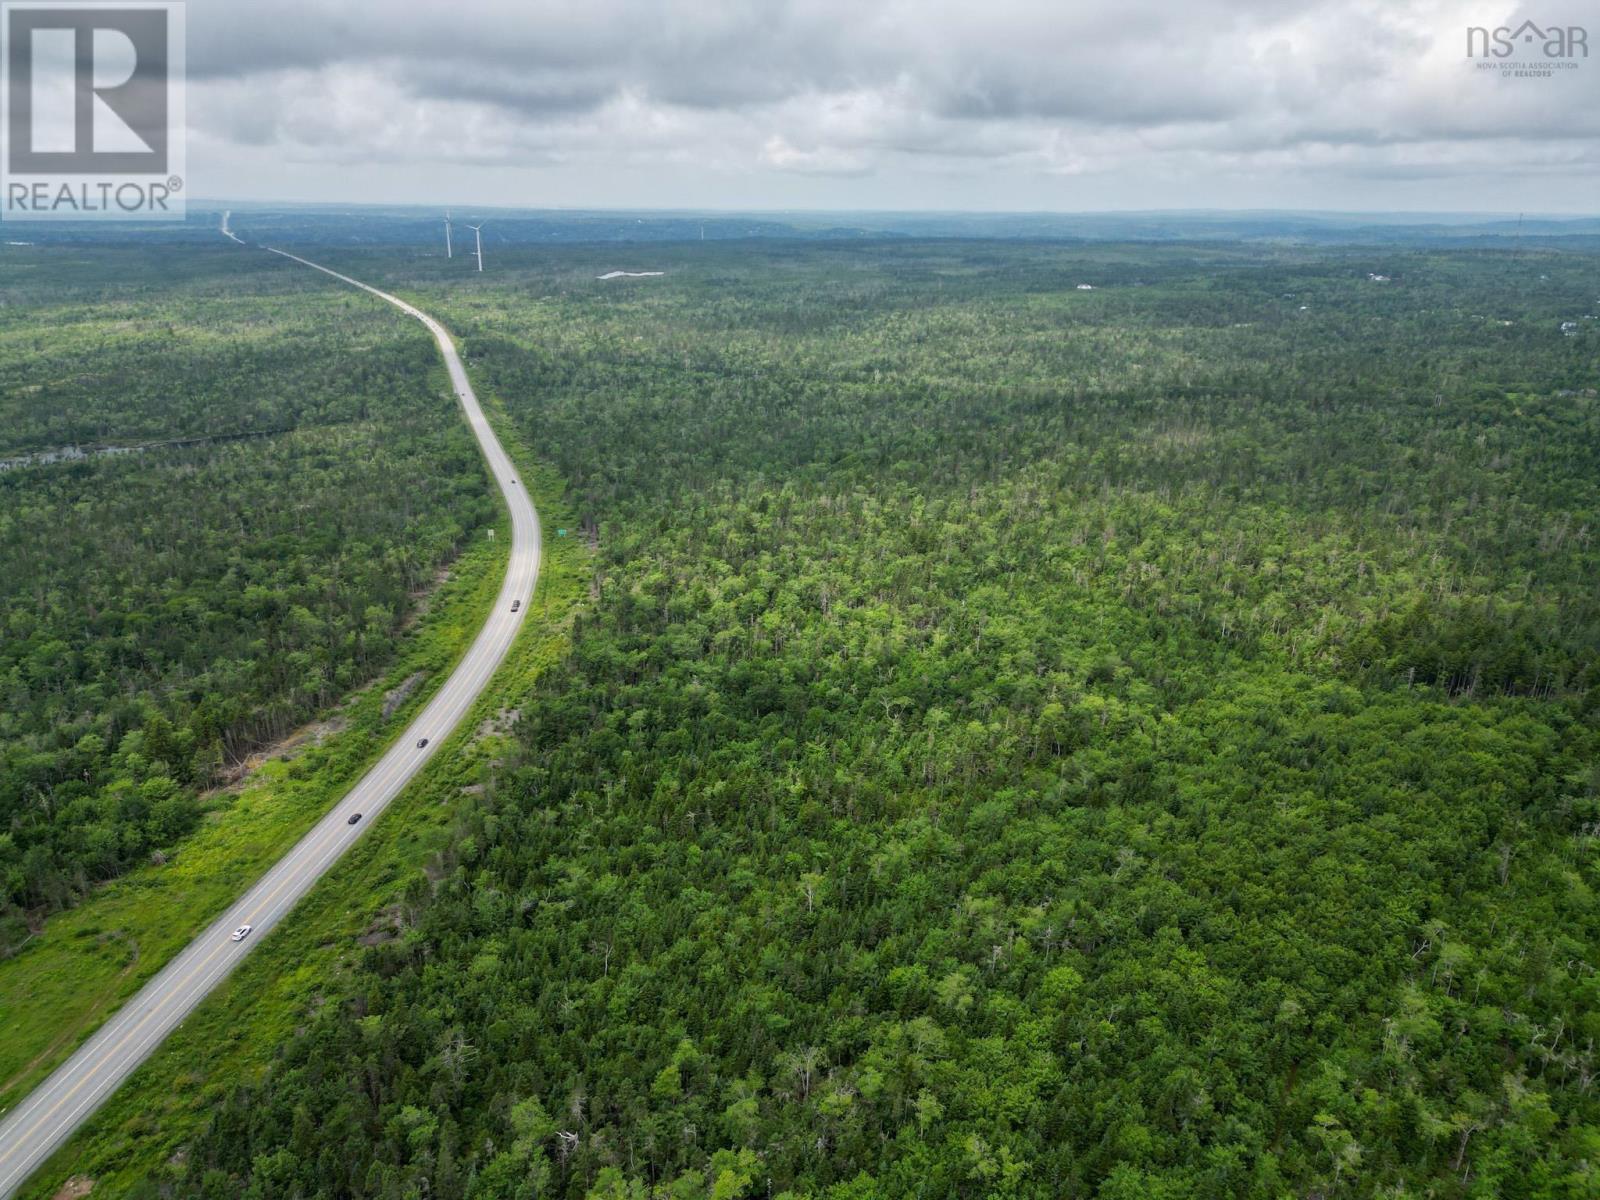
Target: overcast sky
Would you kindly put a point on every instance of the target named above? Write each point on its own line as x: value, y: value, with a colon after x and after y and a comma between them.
x: 977, y: 104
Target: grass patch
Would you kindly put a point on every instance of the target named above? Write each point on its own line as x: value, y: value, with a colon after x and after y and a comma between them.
x: 305, y: 960
x: 55, y: 992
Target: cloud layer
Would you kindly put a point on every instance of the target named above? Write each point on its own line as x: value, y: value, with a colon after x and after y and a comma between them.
x: 1131, y: 103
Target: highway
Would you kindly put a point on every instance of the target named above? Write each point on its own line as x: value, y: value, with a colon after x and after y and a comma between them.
x: 41, y: 1122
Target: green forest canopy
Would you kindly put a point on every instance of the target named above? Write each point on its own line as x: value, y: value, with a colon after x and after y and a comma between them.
x: 301, y: 475
x: 1025, y: 741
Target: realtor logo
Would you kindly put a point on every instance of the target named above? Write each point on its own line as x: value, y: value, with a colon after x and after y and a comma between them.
x: 94, y: 123
x: 1528, y: 51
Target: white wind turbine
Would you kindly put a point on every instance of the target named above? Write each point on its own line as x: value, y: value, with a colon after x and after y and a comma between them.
x: 448, y: 251
x: 477, y: 231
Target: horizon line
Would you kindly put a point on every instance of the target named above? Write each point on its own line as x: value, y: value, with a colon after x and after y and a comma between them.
x: 569, y: 209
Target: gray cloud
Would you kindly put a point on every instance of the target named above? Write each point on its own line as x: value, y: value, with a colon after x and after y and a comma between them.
x: 876, y: 100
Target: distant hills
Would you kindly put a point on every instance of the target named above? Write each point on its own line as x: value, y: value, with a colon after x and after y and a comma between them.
x: 413, y: 225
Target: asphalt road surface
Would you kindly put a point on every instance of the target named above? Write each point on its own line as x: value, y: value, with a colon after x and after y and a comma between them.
x: 39, y: 1124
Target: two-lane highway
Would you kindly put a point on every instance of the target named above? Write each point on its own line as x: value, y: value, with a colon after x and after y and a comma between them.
x: 33, y: 1130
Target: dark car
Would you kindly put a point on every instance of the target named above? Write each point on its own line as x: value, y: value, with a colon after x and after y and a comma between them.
x: 516, y: 604
x: 423, y: 742
x: 354, y: 817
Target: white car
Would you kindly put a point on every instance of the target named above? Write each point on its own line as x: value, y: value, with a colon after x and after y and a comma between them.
x: 241, y: 933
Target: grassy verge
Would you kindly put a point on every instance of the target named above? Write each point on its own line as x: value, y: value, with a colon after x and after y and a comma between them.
x: 90, y: 959
x: 235, y: 1031
x: 58, y: 989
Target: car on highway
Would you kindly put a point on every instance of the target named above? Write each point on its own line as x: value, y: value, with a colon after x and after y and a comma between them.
x: 516, y: 604
x: 354, y: 817
x: 28, y: 1135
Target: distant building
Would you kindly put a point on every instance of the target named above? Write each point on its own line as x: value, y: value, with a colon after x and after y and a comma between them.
x: 1086, y: 287
x: 1377, y: 278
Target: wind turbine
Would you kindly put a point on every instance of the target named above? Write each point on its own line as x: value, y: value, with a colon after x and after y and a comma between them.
x: 448, y: 251
x: 477, y: 231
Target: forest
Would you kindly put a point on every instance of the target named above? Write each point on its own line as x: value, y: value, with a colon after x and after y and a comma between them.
x: 266, y: 478
x: 1050, y: 721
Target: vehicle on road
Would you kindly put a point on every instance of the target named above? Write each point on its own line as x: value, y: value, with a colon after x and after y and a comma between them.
x: 32, y: 1129
x: 516, y: 604
x: 354, y: 817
